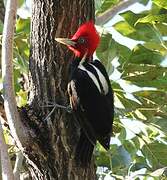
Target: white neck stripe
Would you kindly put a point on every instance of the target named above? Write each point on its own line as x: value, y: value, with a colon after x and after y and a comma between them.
x: 102, y: 79
x: 92, y: 76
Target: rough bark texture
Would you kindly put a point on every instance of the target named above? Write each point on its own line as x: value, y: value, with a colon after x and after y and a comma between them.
x: 51, y: 153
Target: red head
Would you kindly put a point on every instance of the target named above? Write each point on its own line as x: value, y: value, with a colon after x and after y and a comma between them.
x: 85, y: 40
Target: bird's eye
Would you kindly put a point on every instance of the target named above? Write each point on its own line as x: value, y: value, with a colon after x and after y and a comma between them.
x: 81, y: 40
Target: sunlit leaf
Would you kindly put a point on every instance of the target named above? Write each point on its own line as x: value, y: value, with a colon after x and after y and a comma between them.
x: 160, y: 123
x: 152, y: 19
x: 23, y: 25
x: 140, y: 32
x: 161, y: 3
x: 146, y: 75
x: 104, y: 5
x: 154, y: 46
x: 158, y: 172
x: 140, y: 115
x: 131, y: 18
x: 21, y: 98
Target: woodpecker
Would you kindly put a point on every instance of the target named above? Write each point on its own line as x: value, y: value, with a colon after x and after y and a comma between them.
x: 90, y: 93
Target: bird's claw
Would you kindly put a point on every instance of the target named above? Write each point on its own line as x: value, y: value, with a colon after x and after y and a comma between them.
x: 55, y: 105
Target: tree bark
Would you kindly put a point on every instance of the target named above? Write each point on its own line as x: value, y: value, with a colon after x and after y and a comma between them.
x: 51, y: 154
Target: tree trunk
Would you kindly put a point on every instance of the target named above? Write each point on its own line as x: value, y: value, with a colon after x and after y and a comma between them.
x: 50, y: 156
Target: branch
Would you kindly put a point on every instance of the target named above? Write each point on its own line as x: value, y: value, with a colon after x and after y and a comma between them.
x: 110, y: 13
x: 7, y: 172
x: 18, y: 131
x: 18, y: 165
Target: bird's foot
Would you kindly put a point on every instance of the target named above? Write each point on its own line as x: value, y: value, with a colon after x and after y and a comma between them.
x: 55, y: 105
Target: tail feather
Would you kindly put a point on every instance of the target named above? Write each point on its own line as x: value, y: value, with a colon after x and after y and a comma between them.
x: 84, y: 151
x: 105, y: 142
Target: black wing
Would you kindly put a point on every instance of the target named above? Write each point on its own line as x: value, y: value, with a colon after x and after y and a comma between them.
x: 94, y: 110
x: 79, y: 112
x: 110, y: 96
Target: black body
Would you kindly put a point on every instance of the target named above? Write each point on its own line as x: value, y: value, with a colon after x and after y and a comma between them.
x: 94, y: 110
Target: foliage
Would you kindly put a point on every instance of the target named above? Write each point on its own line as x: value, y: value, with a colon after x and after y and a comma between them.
x: 20, y: 61
x: 139, y: 80
x: 104, y: 5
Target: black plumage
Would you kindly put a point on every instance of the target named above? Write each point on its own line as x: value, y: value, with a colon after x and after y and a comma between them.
x: 92, y: 102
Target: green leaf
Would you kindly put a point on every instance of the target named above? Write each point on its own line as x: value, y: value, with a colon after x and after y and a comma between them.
x: 143, y: 30
x: 131, y: 18
x: 122, y: 135
x: 1, y: 27
x: 144, y: 2
x: 136, y: 142
x: 22, y: 98
x: 23, y: 25
x: 105, y: 5
x: 102, y: 157
x: 160, y: 123
x: 145, y: 75
x: 140, y: 163
x: 123, y: 52
x: 152, y: 19
x: 154, y: 98
x: 161, y: 3
x: 154, y: 46
x: 120, y: 159
x: 152, y: 78
x: 20, y: 3
x: 124, y: 28
x: 109, y: 49
x: 142, y: 55
x: 98, y: 4
x: 130, y: 147
x: 106, y: 52
x: 140, y: 115
x: 162, y: 28
x: 17, y: 77
x: 103, y: 160
x: 128, y: 104
x: 156, y: 153
x: 133, y: 69
x: 140, y: 32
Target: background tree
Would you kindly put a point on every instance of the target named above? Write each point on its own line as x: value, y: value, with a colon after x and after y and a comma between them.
x: 138, y: 76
